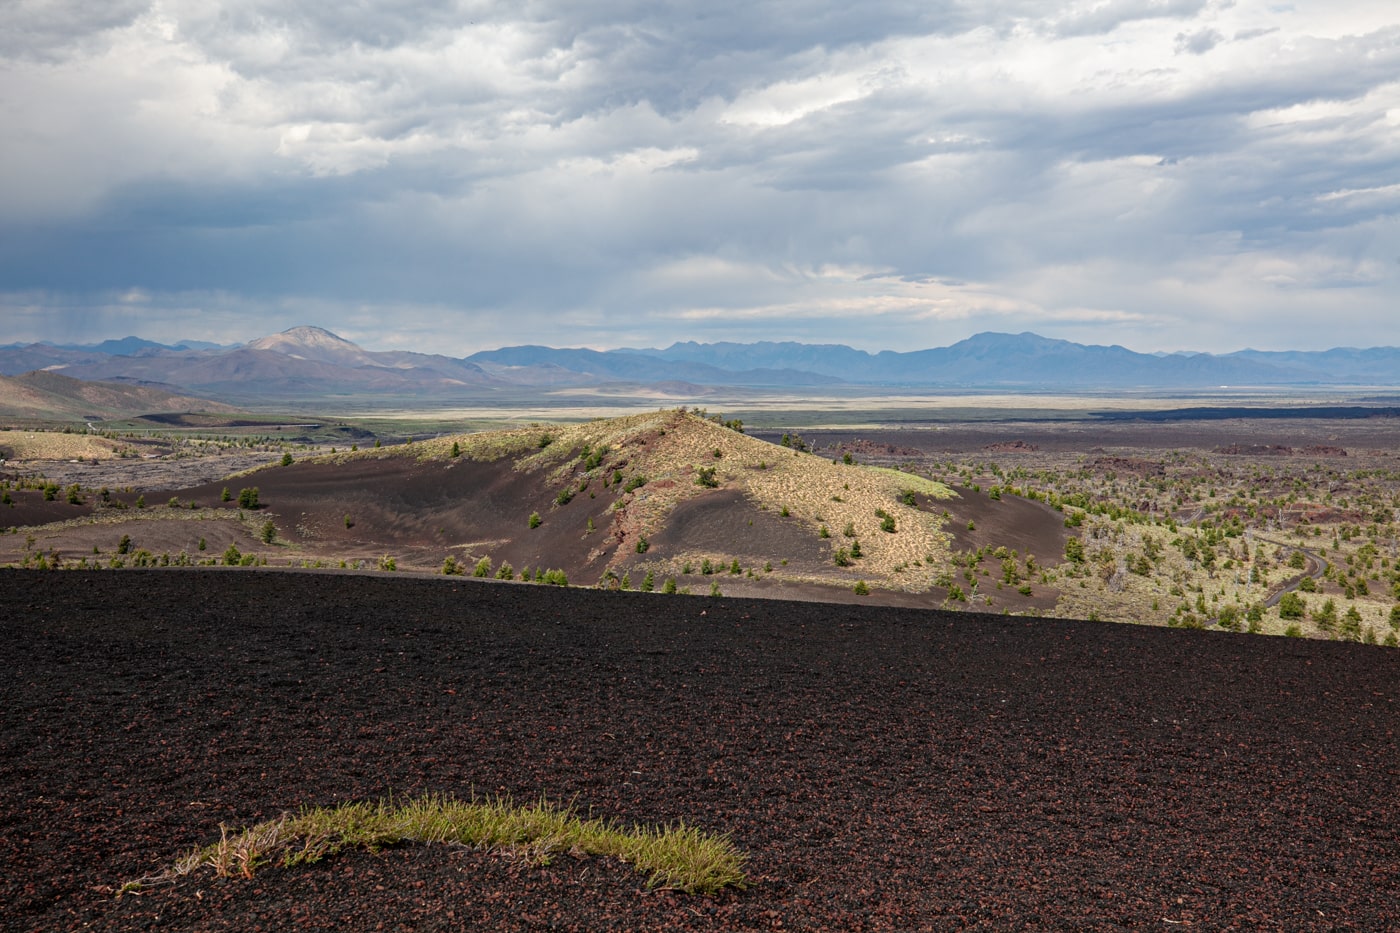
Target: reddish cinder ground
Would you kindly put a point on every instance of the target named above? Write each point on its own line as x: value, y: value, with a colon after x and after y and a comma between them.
x: 885, y: 769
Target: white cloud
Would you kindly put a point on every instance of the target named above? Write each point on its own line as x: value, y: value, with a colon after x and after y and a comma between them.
x: 1143, y: 170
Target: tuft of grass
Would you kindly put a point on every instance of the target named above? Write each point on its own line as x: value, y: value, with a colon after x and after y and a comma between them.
x: 679, y: 857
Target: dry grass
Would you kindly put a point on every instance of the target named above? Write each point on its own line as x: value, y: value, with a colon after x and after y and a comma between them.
x: 55, y: 445
x: 679, y: 857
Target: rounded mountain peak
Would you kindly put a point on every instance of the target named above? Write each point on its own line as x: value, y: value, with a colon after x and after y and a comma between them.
x: 312, y: 343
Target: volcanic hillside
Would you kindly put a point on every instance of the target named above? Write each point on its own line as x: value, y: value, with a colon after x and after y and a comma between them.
x: 883, y: 769
x: 637, y: 501
x: 51, y: 396
x: 623, y: 496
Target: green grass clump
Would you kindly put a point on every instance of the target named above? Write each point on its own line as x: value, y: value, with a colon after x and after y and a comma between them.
x: 679, y: 857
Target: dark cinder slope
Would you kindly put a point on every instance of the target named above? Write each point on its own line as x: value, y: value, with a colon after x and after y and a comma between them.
x: 885, y: 769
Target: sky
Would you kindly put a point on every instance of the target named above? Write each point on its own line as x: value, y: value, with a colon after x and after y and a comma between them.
x: 453, y: 175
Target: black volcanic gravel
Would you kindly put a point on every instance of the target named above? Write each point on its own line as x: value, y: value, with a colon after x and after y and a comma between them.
x: 886, y: 769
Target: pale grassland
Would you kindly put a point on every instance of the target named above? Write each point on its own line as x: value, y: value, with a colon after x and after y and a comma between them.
x: 1253, y: 568
x: 678, y: 856
x: 55, y: 445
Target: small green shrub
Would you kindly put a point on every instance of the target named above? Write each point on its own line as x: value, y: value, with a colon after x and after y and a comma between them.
x: 1291, y: 606
x: 861, y: 588
x: 535, y: 521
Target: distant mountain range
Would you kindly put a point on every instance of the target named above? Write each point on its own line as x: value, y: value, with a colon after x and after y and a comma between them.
x: 309, y: 362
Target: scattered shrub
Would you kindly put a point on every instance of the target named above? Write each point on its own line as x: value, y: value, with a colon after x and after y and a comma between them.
x: 1291, y: 606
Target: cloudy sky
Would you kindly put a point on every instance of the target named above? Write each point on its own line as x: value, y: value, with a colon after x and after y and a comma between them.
x: 452, y: 175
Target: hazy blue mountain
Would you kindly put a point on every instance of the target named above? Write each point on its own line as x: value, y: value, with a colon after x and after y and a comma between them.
x: 1029, y: 360
x: 602, y: 366
x: 1379, y: 365
x: 826, y: 359
x: 308, y: 362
